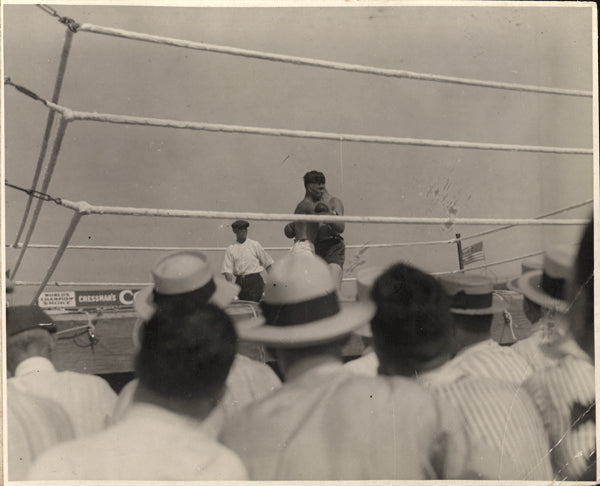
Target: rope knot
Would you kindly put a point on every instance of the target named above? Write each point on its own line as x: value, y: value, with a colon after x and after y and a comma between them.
x: 70, y: 23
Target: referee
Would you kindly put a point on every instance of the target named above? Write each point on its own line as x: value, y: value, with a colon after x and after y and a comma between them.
x: 244, y: 262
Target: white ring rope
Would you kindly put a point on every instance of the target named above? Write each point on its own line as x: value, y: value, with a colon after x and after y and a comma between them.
x: 340, y: 66
x: 85, y: 208
x: 72, y: 115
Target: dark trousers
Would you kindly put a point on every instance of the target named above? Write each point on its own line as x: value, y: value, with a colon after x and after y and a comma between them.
x: 252, y: 286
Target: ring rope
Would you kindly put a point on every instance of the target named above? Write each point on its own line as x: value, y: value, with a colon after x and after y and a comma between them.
x: 85, y: 208
x: 346, y: 279
x: 551, y: 213
x: 62, y: 127
x: 49, y: 122
x: 274, y: 248
x: 340, y: 66
x: 71, y: 115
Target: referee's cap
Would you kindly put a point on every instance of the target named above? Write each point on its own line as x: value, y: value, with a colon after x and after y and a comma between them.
x: 239, y: 224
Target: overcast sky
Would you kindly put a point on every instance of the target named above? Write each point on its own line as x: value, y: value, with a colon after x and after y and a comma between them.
x: 167, y: 168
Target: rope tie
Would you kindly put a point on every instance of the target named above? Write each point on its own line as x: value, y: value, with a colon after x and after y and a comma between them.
x: 24, y: 90
x: 37, y: 194
x: 69, y: 22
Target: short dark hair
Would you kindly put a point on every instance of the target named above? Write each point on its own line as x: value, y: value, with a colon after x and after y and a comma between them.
x: 412, y: 321
x: 584, y: 273
x: 314, y: 177
x: 187, y: 353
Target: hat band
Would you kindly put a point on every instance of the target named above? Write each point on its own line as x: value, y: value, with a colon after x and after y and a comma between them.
x: 202, y: 295
x: 554, y: 287
x: 462, y: 300
x: 301, y: 312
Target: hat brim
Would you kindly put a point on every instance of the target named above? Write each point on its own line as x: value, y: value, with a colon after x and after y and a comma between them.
x: 225, y: 292
x: 364, y: 331
x: 352, y: 316
x: 498, y: 305
x: 530, y: 285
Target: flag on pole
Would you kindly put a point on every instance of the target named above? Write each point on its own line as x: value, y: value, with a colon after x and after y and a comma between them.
x: 473, y: 253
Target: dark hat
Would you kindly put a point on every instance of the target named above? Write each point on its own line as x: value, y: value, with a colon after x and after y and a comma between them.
x: 240, y: 224
x: 20, y: 318
x: 472, y: 294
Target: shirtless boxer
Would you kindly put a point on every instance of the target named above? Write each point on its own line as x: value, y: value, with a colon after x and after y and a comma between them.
x: 326, y: 237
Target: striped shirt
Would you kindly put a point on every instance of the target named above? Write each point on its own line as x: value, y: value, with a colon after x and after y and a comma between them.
x: 246, y: 258
x: 328, y: 424
x: 87, y: 399
x: 563, y: 394
x: 487, y: 359
x: 501, y: 415
x: 34, y: 424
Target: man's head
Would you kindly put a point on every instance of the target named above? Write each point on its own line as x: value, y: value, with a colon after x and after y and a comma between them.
x: 29, y: 332
x: 186, y: 354
x: 301, y: 309
x: 240, y: 228
x: 314, y: 182
x: 473, y: 304
x: 411, y: 326
x: 581, y: 293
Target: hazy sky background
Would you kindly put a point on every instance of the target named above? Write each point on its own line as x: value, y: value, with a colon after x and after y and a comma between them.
x: 167, y: 168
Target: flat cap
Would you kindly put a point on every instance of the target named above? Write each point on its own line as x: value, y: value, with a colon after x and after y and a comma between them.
x: 20, y: 318
x: 240, y: 224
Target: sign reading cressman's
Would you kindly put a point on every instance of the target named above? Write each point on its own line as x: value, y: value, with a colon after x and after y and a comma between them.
x: 87, y: 298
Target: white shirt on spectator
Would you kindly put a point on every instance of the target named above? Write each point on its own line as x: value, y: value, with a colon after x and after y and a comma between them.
x: 328, y: 424
x: 87, y: 399
x: 150, y: 443
x: 34, y: 424
x: 246, y: 258
x: 248, y: 380
x: 487, y: 359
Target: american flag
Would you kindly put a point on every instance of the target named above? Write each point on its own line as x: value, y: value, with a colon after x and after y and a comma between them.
x: 473, y: 253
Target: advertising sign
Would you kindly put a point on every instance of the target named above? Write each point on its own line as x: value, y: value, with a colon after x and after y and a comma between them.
x: 66, y: 299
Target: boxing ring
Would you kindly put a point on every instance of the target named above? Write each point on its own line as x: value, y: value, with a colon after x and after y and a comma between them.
x: 63, y: 117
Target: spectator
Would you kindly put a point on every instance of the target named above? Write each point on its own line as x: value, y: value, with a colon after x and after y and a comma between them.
x: 564, y: 393
x: 473, y: 305
x: 551, y: 338
x: 413, y: 337
x: 87, y: 399
x: 184, y: 279
x: 35, y: 423
x: 184, y: 360
x: 325, y: 423
x: 244, y: 261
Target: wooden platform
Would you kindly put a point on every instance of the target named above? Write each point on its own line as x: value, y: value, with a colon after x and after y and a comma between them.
x: 112, y: 351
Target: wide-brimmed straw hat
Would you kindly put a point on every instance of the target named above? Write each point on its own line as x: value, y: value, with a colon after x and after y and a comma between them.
x: 472, y: 295
x: 301, y: 308
x: 547, y: 286
x: 365, y: 279
x: 183, y: 272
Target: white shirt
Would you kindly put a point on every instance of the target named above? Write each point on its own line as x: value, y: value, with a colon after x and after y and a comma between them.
x: 248, y: 380
x: 328, y: 424
x: 87, y: 399
x: 150, y: 443
x: 34, y: 424
x: 487, y: 359
x: 367, y: 364
x: 246, y: 258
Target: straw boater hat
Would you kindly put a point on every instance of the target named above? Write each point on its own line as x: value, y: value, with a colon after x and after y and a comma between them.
x: 365, y: 279
x: 526, y: 266
x: 181, y: 273
x: 547, y: 286
x: 300, y: 306
x: 472, y: 295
